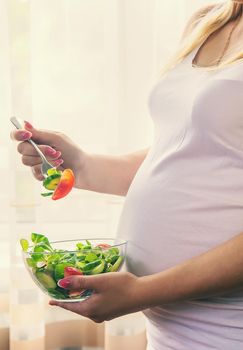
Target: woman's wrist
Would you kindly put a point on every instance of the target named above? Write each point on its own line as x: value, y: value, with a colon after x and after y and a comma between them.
x: 81, y: 162
x: 147, y: 291
x: 157, y: 289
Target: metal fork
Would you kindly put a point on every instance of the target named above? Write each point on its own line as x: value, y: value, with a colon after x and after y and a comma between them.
x: 19, y: 124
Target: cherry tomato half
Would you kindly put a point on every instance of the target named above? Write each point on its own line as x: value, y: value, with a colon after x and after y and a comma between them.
x: 65, y: 185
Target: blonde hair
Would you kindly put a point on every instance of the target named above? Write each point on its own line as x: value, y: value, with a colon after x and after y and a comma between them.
x: 203, y: 26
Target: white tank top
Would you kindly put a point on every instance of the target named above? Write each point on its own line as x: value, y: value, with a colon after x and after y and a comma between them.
x: 187, y: 197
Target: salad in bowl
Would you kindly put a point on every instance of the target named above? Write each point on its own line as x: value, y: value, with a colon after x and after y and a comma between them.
x: 49, y: 262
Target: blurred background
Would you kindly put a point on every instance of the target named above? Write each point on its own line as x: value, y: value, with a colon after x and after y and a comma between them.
x: 83, y: 67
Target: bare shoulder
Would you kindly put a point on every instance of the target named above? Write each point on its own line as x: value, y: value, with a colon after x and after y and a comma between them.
x: 196, y: 17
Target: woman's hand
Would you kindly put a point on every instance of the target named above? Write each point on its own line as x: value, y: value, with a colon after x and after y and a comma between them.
x: 57, y: 147
x: 93, y: 172
x: 115, y: 294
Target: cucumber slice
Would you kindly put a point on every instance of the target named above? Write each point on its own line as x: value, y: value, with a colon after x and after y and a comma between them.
x: 52, y: 171
x: 46, y: 280
x: 117, y: 264
x: 51, y: 182
x: 99, y: 269
x: 87, y: 268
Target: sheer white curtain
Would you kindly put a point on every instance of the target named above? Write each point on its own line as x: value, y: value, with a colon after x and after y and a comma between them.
x: 84, y: 68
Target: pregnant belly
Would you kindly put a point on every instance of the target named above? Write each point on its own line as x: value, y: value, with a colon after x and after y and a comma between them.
x: 168, y: 224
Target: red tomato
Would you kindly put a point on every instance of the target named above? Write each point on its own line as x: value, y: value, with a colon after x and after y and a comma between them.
x: 65, y: 185
x: 103, y: 245
x: 71, y: 271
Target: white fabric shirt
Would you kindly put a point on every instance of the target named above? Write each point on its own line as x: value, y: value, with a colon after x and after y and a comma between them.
x: 187, y: 197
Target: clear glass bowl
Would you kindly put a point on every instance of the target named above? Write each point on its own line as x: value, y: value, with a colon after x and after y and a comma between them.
x: 48, y: 267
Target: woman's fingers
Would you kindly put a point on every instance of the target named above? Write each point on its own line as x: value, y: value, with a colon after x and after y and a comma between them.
x: 39, y: 136
x: 34, y: 160
x: 77, y: 283
x: 20, y: 135
x: 25, y: 148
x: 43, y: 136
x: 86, y: 308
x: 31, y: 158
x: 74, y: 307
x: 36, y: 171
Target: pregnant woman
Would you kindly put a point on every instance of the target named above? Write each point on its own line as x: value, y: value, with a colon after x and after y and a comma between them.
x: 183, y: 214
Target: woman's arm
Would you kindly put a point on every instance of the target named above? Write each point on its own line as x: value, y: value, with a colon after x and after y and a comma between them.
x: 213, y: 273
x: 110, y: 174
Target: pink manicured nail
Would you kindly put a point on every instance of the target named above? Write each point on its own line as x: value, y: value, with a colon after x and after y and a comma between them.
x: 50, y: 151
x: 25, y: 134
x: 58, y: 162
x: 64, y: 283
x: 28, y: 125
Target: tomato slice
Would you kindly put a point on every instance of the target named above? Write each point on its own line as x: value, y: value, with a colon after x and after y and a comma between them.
x: 103, y: 245
x: 71, y: 271
x: 65, y: 184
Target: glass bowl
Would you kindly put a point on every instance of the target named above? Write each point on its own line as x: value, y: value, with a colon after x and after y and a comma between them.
x: 73, y: 257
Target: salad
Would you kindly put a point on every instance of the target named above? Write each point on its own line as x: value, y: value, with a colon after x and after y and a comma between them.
x: 48, y: 265
x: 58, y: 183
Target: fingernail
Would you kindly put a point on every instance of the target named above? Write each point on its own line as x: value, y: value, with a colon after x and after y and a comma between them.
x: 25, y: 134
x: 50, y: 151
x: 64, y: 283
x: 28, y: 125
x: 58, y: 162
